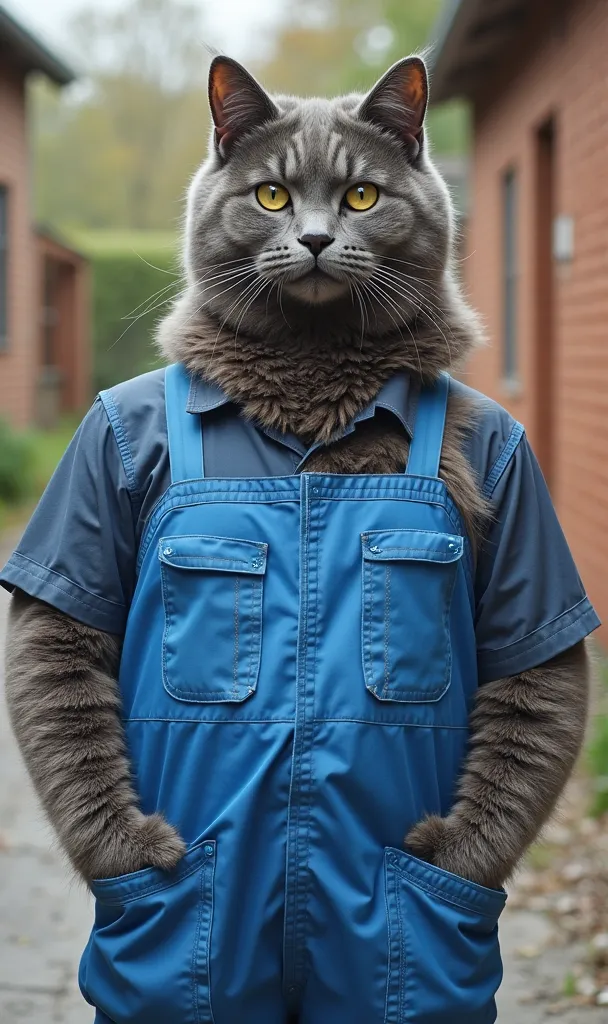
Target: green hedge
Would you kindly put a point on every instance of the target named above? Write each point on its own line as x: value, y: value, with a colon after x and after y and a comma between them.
x: 129, y: 272
x: 17, y: 464
x: 124, y: 293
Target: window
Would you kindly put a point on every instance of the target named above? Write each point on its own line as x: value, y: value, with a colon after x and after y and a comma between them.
x: 509, y: 228
x: 3, y: 268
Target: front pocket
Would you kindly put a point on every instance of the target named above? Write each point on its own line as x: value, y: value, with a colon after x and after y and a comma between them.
x: 444, y: 963
x: 212, y: 595
x: 147, y: 961
x: 408, y: 581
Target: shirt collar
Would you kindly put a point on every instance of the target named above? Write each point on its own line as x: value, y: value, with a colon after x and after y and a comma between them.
x: 395, y: 396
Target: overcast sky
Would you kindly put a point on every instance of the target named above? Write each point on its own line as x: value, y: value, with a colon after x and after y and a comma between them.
x: 239, y: 25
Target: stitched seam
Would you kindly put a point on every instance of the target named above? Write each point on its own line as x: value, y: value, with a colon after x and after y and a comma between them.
x: 166, y: 504
x: 67, y: 590
x: 389, y: 965
x: 528, y: 636
x: 235, y: 661
x: 210, y: 905
x: 311, y: 725
x: 500, y: 464
x: 398, y: 529
x: 290, y: 721
x: 202, y: 696
x: 118, y: 900
x: 45, y: 570
x: 408, y: 695
x: 434, y: 891
x: 206, y: 558
x: 402, y: 956
x: 367, y: 612
x: 121, y: 440
x: 387, y: 628
x: 256, y: 623
x: 195, y: 947
x: 438, y: 556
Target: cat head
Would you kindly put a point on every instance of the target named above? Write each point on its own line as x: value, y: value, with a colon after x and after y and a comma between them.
x: 312, y: 202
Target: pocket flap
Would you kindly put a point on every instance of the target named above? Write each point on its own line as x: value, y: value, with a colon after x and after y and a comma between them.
x: 411, y: 545
x: 224, y: 554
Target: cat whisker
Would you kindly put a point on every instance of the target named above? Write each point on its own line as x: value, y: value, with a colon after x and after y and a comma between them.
x: 407, y: 263
x: 134, y: 319
x: 161, y: 270
x: 358, y: 294
x: 264, y: 284
x: 269, y: 294
x: 245, y: 292
x: 280, y: 296
x: 226, y: 275
x: 226, y: 263
x: 381, y: 296
x: 151, y: 298
x: 406, y: 281
x: 424, y: 311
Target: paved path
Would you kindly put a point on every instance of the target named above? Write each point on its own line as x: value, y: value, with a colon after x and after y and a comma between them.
x: 45, y: 918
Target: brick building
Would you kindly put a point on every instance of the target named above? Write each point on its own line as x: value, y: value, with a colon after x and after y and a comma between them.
x: 43, y: 283
x: 536, y: 75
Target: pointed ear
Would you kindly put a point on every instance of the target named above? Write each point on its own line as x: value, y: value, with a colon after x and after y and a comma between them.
x: 398, y: 102
x: 237, y: 103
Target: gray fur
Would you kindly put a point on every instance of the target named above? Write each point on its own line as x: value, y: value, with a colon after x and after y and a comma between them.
x: 306, y: 352
x: 527, y: 732
x: 383, y: 296
x: 64, y: 705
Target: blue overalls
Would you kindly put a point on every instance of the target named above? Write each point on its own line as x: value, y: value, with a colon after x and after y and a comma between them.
x: 297, y: 674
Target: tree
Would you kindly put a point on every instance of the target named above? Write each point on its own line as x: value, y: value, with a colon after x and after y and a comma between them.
x: 119, y: 153
x: 336, y: 46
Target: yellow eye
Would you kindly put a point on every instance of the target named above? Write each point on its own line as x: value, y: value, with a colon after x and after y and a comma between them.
x: 272, y: 197
x: 361, y: 197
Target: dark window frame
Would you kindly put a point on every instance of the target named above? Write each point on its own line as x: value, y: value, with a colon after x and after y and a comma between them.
x: 510, y: 274
x: 4, y: 269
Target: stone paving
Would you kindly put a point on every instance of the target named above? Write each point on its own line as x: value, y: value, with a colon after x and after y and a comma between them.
x: 45, y: 918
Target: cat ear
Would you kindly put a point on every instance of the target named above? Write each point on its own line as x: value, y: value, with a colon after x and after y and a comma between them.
x: 237, y: 102
x: 398, y: 102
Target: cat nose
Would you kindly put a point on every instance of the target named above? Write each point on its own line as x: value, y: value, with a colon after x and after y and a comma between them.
x: 316, y: 243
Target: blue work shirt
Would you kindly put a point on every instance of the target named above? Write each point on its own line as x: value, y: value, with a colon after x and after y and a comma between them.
x: 79, y: 551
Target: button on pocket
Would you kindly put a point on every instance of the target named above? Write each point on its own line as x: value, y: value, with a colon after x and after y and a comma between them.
x: 212, y: 595
x: 408, y: 581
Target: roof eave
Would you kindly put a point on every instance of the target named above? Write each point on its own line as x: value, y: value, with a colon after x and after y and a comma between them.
x: 33, y: 55
x: 465, y: 42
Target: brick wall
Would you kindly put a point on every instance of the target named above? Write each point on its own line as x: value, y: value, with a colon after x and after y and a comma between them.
x: 18, y: 362
x: 559, y: 71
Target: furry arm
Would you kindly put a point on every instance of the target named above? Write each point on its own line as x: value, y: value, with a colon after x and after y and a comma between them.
x: 64, y: 706
x: 526, y: 733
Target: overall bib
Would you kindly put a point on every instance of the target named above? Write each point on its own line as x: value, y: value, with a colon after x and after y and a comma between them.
x: 297, y: 675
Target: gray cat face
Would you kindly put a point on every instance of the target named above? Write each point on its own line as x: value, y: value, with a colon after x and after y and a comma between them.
x: 317, y: 202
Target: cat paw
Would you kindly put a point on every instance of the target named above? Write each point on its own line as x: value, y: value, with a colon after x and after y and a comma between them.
x: 427, y: 839
x: 161, y: 845
x: 143, y: 841
x: 457, y: 847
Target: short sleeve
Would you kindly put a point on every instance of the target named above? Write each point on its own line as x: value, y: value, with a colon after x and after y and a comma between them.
x: 530, y: 601
x: 78, y: 551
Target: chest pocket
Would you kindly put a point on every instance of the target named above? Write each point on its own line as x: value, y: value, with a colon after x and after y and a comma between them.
x: 408, y: 582
x: 212, y: 596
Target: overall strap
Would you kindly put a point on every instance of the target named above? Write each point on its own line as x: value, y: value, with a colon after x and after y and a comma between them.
x: 184, y: 429
x: 425, y: 450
